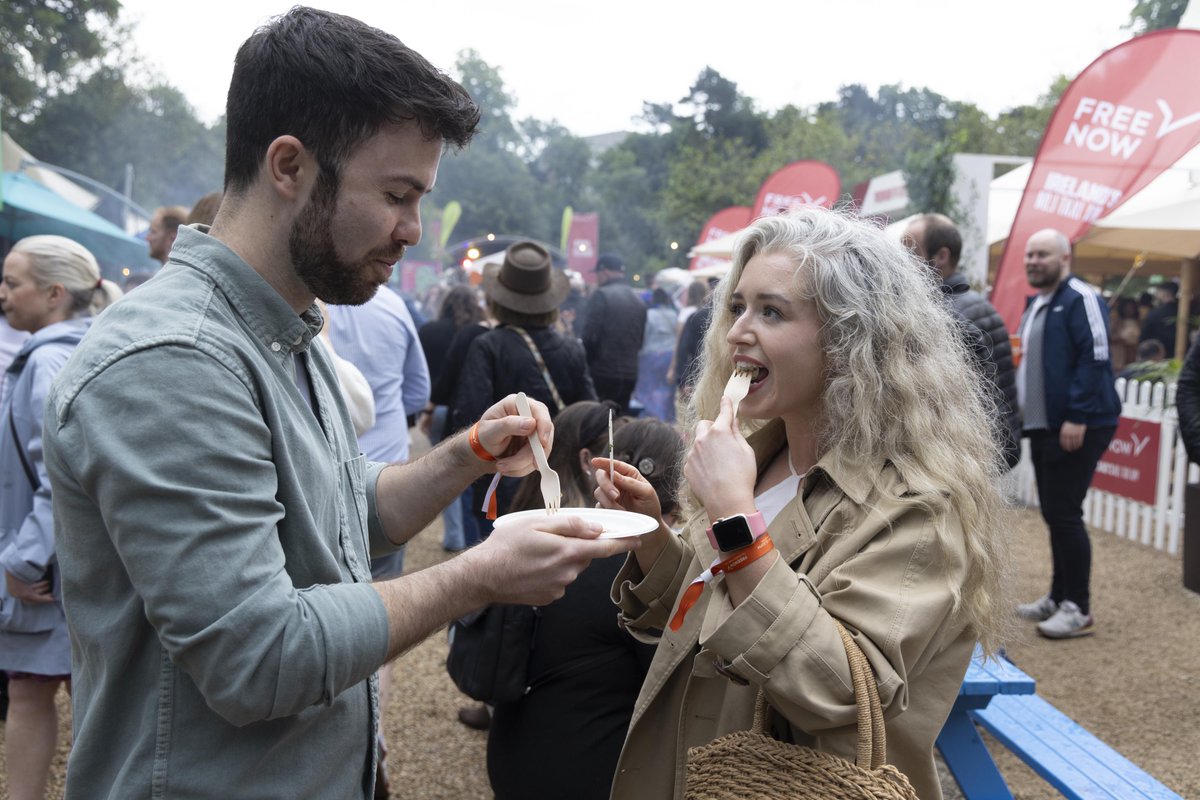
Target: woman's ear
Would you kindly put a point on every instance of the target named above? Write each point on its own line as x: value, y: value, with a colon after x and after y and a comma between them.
x: 58, y: 296
x: 585, y: 461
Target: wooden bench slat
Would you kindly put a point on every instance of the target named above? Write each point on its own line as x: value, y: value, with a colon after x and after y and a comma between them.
x: 1065, y: 753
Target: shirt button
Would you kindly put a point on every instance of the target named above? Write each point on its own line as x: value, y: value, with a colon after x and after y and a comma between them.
x: 276, y: 346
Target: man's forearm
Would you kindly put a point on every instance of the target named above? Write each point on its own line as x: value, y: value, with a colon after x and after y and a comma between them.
x: 408, y: 496
x: 422, y: 602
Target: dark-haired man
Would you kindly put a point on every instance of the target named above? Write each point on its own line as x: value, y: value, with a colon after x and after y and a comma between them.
x: 614, y: 326
x: 935, y: 239
x: 214, y: 546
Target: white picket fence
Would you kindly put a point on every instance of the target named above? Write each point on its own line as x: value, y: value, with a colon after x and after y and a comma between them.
x: 1159, y: 525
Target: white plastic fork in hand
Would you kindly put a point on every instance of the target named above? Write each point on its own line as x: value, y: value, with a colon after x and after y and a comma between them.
x: 738, y: 387
x: 551, y: 489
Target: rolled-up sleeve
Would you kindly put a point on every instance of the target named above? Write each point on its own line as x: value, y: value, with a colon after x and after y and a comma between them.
x: 645, y: 601
x: 193, y: 511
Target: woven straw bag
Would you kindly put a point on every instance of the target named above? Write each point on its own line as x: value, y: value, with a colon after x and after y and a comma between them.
x: 751, y: 765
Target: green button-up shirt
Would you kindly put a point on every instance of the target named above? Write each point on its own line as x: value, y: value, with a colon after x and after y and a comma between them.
x: 213, y: 539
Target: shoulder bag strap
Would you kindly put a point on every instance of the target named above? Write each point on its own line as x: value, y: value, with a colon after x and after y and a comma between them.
x: 34, y: 483
x: 537, y: 356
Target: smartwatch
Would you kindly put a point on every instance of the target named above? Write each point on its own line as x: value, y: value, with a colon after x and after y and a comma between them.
x: 736, y: 531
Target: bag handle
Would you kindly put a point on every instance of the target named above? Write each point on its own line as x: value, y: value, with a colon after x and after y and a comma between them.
x: 537, y: 356
x: 34, y: 483
x: 872, y: 736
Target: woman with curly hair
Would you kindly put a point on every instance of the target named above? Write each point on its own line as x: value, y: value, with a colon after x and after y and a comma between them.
x: 859, y: 489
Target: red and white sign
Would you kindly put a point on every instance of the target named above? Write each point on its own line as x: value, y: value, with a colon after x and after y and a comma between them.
x: 1130, y: 467
x: 721, y: 224
x: 1127, y: 117
x: 801, y: 183
x: 582, y: 239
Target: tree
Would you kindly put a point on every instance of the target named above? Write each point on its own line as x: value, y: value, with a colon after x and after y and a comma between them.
x: 486, y: 87
x: 105, y: 123
x: 41, y: 41
x: 1155, y: 15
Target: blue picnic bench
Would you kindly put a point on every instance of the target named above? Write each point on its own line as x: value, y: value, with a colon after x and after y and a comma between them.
x: 1001, y: 699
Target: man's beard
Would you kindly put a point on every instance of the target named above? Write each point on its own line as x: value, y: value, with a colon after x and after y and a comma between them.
x: 315, y: 258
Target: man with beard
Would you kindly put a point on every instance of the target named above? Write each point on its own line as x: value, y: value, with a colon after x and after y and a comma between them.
x: 1070, y: 407
x: 214, y: 516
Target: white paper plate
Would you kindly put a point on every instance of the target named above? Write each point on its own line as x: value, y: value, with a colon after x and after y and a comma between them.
x: 617, y: 524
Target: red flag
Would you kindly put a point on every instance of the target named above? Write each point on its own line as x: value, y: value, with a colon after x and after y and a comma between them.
x: 1131, y: 114
x: 719, y: 225
x: 801, y: 183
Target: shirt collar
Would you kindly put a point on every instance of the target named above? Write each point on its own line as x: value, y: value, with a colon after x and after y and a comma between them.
x: 273, y: 321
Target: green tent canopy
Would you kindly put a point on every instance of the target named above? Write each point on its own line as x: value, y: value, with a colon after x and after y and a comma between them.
x: 31, y: 209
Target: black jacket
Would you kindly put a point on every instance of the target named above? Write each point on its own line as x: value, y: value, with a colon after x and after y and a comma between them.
x: 988, y: 340
x: 499, y: 363
x: 1187, y: 402
x: 613, y: 331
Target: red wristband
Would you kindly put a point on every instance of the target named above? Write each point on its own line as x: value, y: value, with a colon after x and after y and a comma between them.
x: 476, y: 447
x: 762, y: 545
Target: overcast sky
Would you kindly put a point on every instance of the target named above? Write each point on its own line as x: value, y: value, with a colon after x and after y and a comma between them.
x: 590, y: 65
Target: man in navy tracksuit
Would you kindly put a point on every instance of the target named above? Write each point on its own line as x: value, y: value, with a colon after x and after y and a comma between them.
x: 1070, y: 407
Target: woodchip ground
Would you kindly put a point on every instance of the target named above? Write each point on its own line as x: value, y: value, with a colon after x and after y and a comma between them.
x: 1135, y: 684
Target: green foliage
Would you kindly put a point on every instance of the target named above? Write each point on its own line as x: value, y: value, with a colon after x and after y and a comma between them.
x: 105, y: 123
x: 1155, y: 15
x: 42, y: 41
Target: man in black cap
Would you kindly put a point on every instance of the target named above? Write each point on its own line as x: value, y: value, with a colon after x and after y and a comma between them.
x: 613, y: 331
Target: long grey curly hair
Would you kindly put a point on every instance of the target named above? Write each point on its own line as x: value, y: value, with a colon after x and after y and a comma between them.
x: 899, y: 384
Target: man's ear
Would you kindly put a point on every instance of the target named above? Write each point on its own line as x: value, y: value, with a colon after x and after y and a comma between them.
x: 941, y: 261
x: 290, y: 168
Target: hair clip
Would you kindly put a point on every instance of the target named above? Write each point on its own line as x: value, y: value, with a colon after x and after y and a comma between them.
x: 646, y: 466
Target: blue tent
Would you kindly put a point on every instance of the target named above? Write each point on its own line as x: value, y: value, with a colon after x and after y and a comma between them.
x: 31, y: 209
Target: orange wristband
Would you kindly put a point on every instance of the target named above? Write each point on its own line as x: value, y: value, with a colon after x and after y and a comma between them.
x: 747, y: 555
x: 476, y: 447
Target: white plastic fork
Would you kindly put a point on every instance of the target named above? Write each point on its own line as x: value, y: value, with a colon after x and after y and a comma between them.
x: 551, y: 488
x: 738, y: 387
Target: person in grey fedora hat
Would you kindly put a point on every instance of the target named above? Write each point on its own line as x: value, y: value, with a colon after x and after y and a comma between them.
x: 523, y: 353
x: 613, y: 331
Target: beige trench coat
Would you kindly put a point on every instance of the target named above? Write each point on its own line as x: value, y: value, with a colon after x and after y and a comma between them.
x: 865, y: 550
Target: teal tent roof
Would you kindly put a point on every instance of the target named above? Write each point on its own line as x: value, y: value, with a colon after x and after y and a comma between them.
x: 31, y: 209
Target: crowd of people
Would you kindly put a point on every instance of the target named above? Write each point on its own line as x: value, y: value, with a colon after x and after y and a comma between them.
x: 819, y: 438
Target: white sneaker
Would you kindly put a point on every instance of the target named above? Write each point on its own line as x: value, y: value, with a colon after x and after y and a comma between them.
x: 1067, y: 623
x: 1041, y: 609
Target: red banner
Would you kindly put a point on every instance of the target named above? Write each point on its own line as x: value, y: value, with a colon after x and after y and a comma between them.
x: 721, y: 224
x: 801, y: 183
x: 1130, y: 466
x: 1131, y: 114
x: 583, y: 238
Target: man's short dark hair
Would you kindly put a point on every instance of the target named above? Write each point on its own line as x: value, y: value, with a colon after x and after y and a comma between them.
x: 1151, y: 350
x: 940, y: 231
x: 332, y: 82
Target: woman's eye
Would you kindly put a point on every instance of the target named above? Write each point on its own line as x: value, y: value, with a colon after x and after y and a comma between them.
x: 736, y: 309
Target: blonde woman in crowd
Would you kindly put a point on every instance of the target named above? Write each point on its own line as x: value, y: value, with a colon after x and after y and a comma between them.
x: 51, y: 288
x: 859, y: 486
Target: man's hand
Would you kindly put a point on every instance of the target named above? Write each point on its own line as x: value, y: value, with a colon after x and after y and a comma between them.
x: 1070, y: 436
x: 532, y: 561
x: 37, y: 592
x: 504, y: 433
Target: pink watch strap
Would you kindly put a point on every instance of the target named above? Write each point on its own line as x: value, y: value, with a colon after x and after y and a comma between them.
x: 758, y: 526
